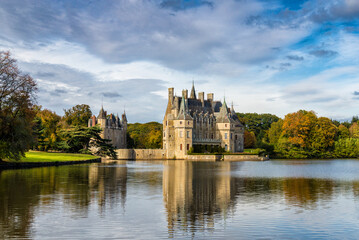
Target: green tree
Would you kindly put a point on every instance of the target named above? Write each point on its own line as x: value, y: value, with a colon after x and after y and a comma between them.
x: 79, y: 139
x: 49, y: 129
x: 17, y: 96
x: 323, y: 137
x: 146, y: 135
x: 257, y: 123
x: 77, y: 115
x: 346, y: 147
x: 275, y: 131
x: 343, y: 131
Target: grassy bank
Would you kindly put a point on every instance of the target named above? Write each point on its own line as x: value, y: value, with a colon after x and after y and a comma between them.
x: 42, y: 157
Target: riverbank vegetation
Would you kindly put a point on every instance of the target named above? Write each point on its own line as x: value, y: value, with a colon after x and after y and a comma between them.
x: 305, y: 135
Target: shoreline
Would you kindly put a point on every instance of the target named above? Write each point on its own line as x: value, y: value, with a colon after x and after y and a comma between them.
x: 21, y: 165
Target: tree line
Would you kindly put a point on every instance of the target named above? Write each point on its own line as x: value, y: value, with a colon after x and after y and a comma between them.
x: 302, y: 134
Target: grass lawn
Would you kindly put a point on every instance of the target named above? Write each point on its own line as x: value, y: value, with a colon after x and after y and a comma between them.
x: 253, y: 150
x: 34, y: 156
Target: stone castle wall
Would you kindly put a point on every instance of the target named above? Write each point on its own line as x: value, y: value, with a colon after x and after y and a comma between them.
x: 141, y: 154
x: 160, y: 154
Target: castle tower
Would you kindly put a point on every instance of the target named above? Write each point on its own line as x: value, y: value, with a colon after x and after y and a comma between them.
x: 183, y: 130
x: 224, y: 126
x: 101, y: 118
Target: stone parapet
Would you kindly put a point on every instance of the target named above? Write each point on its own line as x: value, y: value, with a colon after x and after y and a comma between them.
x: 141, y: 154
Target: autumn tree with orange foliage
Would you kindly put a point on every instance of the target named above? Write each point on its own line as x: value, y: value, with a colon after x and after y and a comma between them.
x: 298, y: 126
x: 304, y: 135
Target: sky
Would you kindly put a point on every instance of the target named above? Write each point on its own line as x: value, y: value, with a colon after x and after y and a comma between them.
x: 264, y: 56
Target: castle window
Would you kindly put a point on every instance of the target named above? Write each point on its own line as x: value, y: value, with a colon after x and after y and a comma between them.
x: 226, y: 147
x: 212, y: 135
x: 231, y: 136
x: 164, y: 134
x: 181, y: 147
x: 187, y: 147
x: 188, y: 122
x: 180, y: 122
x: 166, y: 123
x: 235, y: 136
x: 225, y: 135
x: 225, y: 125
x: 187, y: 134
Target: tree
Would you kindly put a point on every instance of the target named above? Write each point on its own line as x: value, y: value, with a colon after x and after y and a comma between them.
x: 354, y: 130
x: 257, y: 123
x: 298, y: 126
x: 48, y: 124
x: 249, y: 139
x: 275, y: 132
x: 146, y: 135
x: 17, y: 97
x: 343, y: 131
x: 78, y: 115
x: 80, y: 139
x: 323, y: 136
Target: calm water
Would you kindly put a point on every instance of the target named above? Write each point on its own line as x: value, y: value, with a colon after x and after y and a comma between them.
x: 181, y: 200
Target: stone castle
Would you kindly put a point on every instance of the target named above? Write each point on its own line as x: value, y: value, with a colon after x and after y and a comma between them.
x: 191, y: 121
x: 113, y: 128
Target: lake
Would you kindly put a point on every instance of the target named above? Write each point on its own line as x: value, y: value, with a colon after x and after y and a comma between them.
x: 278, y: 199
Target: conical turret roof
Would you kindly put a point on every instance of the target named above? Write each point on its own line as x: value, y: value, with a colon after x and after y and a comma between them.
x: 223, y: 113
x: 102, y: 114
x: 183, y: 112
x: 193, y: 92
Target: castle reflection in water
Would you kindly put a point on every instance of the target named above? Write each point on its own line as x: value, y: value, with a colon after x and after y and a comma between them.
x: 196, y: 195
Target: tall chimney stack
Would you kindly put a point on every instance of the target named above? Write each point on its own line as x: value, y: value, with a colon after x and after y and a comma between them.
x: 185, y: 93
x: 201, y: 97
x: 210, y: 97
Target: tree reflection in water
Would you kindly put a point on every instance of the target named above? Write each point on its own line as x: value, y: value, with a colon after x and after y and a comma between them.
x: 23, y: 192
x: 198, y: 197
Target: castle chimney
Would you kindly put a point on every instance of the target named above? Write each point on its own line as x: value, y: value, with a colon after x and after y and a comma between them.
x: 170, y: 95
x: 201, y: 97
x: 185, y: 93
x: 210, y: 96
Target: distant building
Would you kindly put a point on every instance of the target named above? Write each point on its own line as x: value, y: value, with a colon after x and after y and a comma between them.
x: 113, y: 128
x: 190, y: 121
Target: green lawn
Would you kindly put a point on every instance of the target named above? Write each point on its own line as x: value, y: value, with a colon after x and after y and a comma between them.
x: 34, y: 156
x: 253, y: 150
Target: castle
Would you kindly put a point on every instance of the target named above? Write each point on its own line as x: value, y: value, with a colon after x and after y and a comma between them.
x: 113, y: 128
x: 208, y: 123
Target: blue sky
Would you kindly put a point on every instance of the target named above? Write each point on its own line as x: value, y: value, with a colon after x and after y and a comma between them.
x: 275, y: 56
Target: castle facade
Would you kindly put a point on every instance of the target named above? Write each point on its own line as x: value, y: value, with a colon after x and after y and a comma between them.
x: 113, y: 128
x: 191, y: 121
